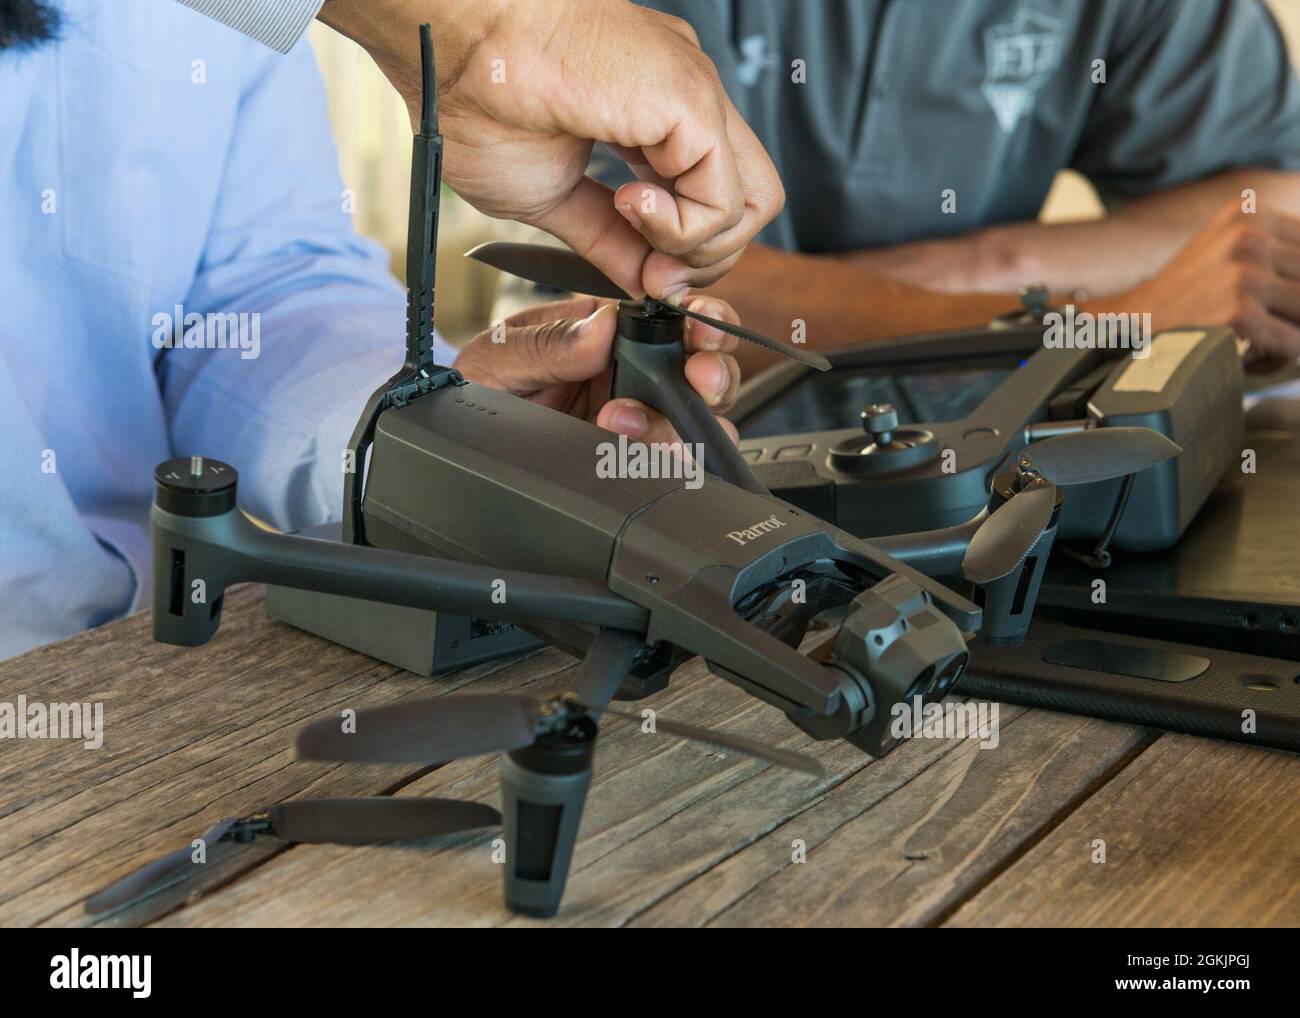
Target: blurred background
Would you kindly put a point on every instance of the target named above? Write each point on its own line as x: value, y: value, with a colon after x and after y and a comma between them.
x: 374, y: 139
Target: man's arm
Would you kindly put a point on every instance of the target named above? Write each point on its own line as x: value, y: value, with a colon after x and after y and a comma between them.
x: 827, y: 302
x: 1099, y: 257
x: 1240, y: 269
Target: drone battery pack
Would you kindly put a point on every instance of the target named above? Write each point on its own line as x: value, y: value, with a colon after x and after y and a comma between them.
x: 420, y: 641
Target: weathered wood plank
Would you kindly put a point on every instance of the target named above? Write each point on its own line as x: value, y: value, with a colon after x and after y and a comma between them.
x: 658, y: 826
x: 1196, y: 833
x: 905, y: 855
x: 191, y: 735
x: 674, y: 833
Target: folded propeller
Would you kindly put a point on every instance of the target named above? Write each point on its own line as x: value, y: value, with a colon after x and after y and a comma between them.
x: 563, y: 269
x: 452, y: 727
x: 1009, y: 534
x: 359, y: 821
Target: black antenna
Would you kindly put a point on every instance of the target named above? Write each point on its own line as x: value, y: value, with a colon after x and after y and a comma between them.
x: 422, y: 229
x: 419, y: 374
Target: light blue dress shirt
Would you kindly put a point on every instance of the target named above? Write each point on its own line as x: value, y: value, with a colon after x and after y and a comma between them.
x: 152, y: 159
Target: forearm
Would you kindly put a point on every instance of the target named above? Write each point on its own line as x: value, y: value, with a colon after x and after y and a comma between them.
x: 1099, y: 257
x: 387, y: 30
x: 837, y: 302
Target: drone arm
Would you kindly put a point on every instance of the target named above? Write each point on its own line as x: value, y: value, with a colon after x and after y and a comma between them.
x: 1008, y: 601
x: 207, y: 554
x: 933, y: 552
x: 654, y: 373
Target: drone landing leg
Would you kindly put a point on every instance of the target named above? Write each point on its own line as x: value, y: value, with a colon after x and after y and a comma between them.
x: 543, y: 790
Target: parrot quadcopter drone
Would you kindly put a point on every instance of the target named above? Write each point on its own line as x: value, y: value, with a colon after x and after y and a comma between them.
x: 469, y: 491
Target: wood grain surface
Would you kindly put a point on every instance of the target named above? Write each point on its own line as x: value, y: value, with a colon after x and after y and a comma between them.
x: 1195, y: 832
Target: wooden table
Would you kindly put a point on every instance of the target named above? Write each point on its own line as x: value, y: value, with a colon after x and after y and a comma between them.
x: 1195, y: 832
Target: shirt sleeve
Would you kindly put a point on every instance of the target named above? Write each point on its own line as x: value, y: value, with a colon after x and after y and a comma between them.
x: 277, y: 23
x: 1192, y: 89
x: 324, y: 319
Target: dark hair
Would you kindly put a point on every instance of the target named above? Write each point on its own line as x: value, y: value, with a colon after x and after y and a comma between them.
x: 26, y: 23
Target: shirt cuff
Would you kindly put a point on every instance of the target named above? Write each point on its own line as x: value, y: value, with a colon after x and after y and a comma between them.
x: 277, y: 23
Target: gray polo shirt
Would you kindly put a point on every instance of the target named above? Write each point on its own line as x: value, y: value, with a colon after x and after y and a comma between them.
x: 905, y: 102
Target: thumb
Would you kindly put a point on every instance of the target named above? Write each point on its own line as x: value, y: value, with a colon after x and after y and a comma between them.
x: 586, y: 220
x: 527, y: 358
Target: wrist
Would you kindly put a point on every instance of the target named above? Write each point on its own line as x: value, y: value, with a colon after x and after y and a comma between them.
x: 388, y: 31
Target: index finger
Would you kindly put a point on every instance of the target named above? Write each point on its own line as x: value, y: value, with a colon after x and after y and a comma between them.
x: 703, y: 337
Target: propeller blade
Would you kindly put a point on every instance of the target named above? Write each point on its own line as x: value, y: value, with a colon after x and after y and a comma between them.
x: 1099, y: 454
x: 563, y: 269
x: 795, y: 353
x: 426, y: 731
x: 556, y: 267
x: 374, y: 820
x: 144, y: 878
x: 1005, y: 539
x: 735, y: 743
x: 608, y: 659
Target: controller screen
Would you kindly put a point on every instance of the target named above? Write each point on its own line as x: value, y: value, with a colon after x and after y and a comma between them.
x: 928, y: 393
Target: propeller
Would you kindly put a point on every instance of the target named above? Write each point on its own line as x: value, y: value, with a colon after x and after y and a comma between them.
x: 728, y: 741
x: 434, y: 731
x: 450, y: 727
x: 427, y: 731
x: 135, y: 883
x: 560, y: 268
x: 563, y: 269
x: 1100, y: 454
x: 359, y: 821
x: 1007, y: 537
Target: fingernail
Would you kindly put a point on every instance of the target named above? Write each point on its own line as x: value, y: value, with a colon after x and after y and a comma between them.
x: 627, y: 212
x: 705, y: 306
x: 725, y: 373
x: 629, y: 421
x: 675, y: 294
x: 585, y: 325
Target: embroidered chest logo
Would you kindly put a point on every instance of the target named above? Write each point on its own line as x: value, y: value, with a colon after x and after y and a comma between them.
x: 1019, y: 57
x: 755, y: 58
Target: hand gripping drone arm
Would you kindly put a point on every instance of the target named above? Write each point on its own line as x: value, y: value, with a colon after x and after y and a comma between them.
x: 653, y: 372
x: 649, y: 357
x: 203, y: 544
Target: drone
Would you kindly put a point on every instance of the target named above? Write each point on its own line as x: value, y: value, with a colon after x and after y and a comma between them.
x: 470, y: 491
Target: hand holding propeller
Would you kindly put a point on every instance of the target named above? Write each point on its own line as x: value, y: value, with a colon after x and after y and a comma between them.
x: 563, y: 269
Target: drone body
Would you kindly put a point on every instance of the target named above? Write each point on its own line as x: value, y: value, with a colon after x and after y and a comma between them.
x: 478, y: 475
